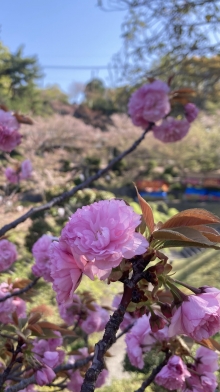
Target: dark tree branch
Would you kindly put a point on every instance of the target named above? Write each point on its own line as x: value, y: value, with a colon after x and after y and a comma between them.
x: 113, y: 324
x: 66, y: 195
x: 7, y: 371
x: 78, y: 364
x: 21, y: 291
x: 153, y: 374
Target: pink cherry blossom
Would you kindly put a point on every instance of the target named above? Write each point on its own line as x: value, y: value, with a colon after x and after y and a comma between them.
x: 209, y: 289
x: 55, y: 342
x: 46, y: 350
x: 70, y: 310
x: 9, y: 136
x: 172, y: 376
x: 101, y: 378
x: 8, y: 254
x: 76, y: 381
x: 204, y: 383
x: 41, y: 253
x: 207, y: 360
x: 23, y: 173
x: 197, y: 317
x: 95, y: 320
x: 26, y: 170
x: 171, y: 130
x: 191, y: 112
x: 67, y: 269
x: 149, y: 103
x: 6, y: 307
x: 11, y: 175
x: 51, y: 358
x: 39, y: 347
x: 44, y: 376
x: 139, y: 340
x: 20, y: 306
x: 10, y: 305
x: 104, y: 233
x: 65, y: 272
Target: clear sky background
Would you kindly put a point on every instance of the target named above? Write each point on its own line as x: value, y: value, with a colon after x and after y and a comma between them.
x: 62, y: 32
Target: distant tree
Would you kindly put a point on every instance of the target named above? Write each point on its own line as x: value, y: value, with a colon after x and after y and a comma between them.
x: 22, y: 71
x: 95, y: 89
x: 153, y: 29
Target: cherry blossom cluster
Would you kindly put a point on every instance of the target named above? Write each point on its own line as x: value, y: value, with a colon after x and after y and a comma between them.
x: 150, y: 104
x: 8, y: 254
x: 198, y: 376
x: 95, y: 240
x: 11, y: 305
x: 22, y: 172
x: 48, y: 356
x: 9, y: 135
x: 89, y: 317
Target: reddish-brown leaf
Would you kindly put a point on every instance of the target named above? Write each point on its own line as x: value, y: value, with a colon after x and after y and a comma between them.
x: 209, y: 232
x: 192, y: 217
x: 147, y: 213
x: 215, y: 344
x: 23, y: 119
x: 15, y: 318
x: 34, y: 318
x: 43, y: 309
x: 3, y: 107
x: 37, y: 329
x: 207, y: 343
x: 54, y: 327
x: 186, y: 234
x: 21, y: 283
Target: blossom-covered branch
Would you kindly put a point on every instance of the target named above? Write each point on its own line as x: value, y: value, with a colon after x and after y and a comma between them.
x: 66, y: 195
x: 113, y: 324
x: 32, y: 380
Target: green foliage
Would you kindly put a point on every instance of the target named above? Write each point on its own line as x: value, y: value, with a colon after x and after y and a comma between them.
x: 88, y: 196
x: 151, y: 360
x: 124, y: 385
x: 37, y: 229
x: 107, y: 100
x: 204, y: 267
x: 157, y: 29
x: 18, y: 88
x: 160, y: 210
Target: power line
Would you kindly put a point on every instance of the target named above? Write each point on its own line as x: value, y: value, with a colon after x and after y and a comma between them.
x: 79, y: 67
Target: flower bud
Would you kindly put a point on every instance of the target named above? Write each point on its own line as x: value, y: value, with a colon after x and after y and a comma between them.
x: 156, y: 322
x: 166, y: 310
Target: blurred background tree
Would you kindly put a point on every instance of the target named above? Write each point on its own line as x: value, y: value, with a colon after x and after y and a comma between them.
x: 167, y: 37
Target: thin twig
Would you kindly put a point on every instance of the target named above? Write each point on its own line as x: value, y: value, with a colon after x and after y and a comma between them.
x: 125, y: 330
x: 66, y: 195
x: 21, y: 291
x: 153, y: 374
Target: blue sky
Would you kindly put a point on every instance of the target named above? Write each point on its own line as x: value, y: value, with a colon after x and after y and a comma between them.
x: 62, y: 32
